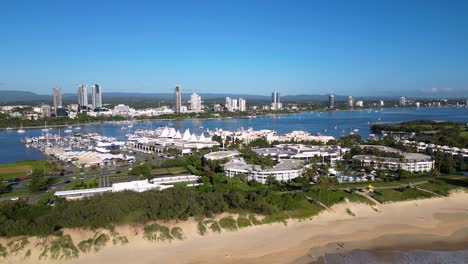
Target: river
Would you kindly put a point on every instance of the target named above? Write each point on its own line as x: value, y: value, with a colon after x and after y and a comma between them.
x: 334, y: 123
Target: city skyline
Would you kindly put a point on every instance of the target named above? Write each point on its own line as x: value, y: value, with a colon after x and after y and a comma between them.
x: 368, y: 48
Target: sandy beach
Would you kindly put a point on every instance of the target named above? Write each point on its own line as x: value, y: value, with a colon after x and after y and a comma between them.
x: 405, y: 224
x: 437, y: 223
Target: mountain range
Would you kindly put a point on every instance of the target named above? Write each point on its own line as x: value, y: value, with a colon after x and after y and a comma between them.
x: 11, y: 96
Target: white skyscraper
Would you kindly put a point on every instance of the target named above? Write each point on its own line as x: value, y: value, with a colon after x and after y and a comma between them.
x: 381, y: 103
x: 83, y: 97
x: 350, y: 101
x: 195, y: 102
x: 402, y: 101
x: 331, y: 101
x: 242, y: 105
x: 229, y: 104
x: 97, y: 96
x: 235, y: 105
x: 57, y: 99
x: 275, y: 101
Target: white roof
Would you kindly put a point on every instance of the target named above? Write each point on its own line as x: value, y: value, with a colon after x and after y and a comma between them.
x: 177, y: 135
x: 193, y: 138
x: 186, y: 136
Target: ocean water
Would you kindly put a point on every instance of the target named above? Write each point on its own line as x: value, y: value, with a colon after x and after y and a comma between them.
x: 397, y: 257
x: 335, y: 123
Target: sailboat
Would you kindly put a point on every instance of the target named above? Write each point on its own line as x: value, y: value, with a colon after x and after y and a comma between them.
x: 21, y: 130
x: 78, y: 127
x: 45, y: 129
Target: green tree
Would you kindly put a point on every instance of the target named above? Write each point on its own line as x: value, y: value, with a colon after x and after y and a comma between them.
x: 3, y: 186
x: 38, y: 181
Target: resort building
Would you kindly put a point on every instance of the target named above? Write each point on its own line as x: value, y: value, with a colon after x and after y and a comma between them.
x: 165, y: 137
x: 221, y: 155
x: 285, y: 170
x: 412, y: 162
x: 329, y: 154
x: 249, y: 135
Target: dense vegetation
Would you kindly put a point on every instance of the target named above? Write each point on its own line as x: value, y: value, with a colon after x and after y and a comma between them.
x: 20, y: 218
x: 440, y: 133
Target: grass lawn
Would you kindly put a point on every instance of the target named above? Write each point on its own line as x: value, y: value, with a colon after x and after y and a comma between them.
x: 444, y: 185
x: 403, y: 194
x: 21, y: 168
x: 17, y: 193
x: 169, y: 171
x: 335, y: 196
x: 81, y: 184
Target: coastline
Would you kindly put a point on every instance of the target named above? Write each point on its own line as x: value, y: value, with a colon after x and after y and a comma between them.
x: 205, y: 118
x: 416, y: 224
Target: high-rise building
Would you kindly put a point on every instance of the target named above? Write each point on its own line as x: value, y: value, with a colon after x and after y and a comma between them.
x: 97, y: 97
x: 242, y: 105
x: 83, y: 97
x: 275, y: 101
x: 228, y: 104
x: 331, y: 101
x: 359, y: 104
x: 195, y: 102
x: 217, y: 108
x: 45, y: 110
x: 235, y: 105
x: 402, y: 101
x: 57, y: 93
x: 177, y: 99
x: 350, y: 101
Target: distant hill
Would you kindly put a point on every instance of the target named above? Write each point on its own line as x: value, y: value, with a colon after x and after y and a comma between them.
x: 10, y: 97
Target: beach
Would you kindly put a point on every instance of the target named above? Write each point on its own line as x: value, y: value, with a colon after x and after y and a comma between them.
x: 419, y: 224
x: 373, y: 231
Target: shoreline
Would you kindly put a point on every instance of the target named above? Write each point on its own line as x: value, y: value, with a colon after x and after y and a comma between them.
x: 202, y: 119
x: 402, y: 225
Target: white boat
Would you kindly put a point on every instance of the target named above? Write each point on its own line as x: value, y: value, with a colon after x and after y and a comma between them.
x: 77, y: 128
x: 45, y: 129
x: 67, y: 131
x: 130, y: 126
x: 21, y: 131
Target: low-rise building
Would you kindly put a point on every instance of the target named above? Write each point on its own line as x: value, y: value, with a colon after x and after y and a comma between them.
x: 285, y: 170
x: 412, y: 162
x: 329, y: 154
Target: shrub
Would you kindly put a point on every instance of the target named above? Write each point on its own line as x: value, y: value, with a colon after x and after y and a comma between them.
x: 228, y: 223
x: 177, y: 233
x: 202, y: 228
x: 254, y: 220
x: 156, y: 232
x: 243, y: 222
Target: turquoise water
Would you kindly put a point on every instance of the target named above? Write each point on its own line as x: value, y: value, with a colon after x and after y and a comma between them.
x: 327, y: 123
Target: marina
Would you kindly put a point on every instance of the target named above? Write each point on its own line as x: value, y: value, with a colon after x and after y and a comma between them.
x: 334, y: 124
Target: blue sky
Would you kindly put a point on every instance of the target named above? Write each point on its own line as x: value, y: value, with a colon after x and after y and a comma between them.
x: 295, y: 47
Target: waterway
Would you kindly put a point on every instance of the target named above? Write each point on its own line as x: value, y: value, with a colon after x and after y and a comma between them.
x: 335, y: 124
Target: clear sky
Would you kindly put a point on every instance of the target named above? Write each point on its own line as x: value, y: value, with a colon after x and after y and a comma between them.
x: 295, y: 47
